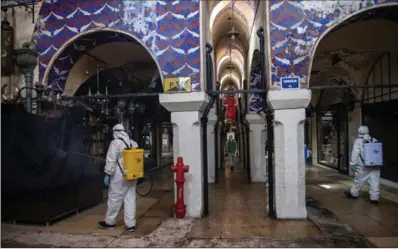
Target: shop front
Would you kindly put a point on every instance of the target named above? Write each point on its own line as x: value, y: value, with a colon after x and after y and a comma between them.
x: 332, y: 139
x: 382, y: 120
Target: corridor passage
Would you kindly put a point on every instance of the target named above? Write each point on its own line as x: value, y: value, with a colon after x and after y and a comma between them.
x: 237, y: 209
x: 379, y: 224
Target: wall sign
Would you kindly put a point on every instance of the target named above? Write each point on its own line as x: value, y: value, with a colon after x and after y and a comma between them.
x: 290, y: 83
x: 177, y: 85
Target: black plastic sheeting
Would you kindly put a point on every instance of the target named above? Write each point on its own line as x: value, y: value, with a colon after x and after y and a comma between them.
x: 34, y: 153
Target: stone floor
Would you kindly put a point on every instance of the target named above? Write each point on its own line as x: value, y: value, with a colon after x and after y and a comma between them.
x: 238, y: 218
x: 379, y: 224
x: 151, y: 211
x: 237, y: 209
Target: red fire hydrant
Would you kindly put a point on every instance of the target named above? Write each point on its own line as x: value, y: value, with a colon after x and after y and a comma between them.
x: 180, y: 209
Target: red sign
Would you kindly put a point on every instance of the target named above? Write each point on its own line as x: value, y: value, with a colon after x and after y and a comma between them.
x: 230, y: 103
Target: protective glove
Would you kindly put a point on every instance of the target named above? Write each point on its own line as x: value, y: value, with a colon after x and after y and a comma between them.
x: 106, y: 180
x: 353, y: 168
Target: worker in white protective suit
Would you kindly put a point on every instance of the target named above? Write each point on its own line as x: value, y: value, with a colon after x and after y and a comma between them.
x: 363, y: 174
x: 120, y: 190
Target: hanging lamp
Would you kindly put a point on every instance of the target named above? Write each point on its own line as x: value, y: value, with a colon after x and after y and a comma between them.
x: 233, y: 33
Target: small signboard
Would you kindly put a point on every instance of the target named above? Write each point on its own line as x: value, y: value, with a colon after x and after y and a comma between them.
x: 177, y: 85
x: 290, y: 83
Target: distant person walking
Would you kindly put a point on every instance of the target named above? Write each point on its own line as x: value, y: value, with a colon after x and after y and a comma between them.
x: 231, y: 149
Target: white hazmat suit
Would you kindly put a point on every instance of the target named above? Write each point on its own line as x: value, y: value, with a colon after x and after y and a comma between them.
x: 364, y: 174
x: 120, y: 190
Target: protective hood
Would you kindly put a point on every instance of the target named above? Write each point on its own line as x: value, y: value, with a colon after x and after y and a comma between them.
x: 120, y: 132
x: 363, y: 130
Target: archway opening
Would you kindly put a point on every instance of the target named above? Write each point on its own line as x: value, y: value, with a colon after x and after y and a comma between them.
x: 231, y: 24
x: 354, y: 72
x: 118, y: 81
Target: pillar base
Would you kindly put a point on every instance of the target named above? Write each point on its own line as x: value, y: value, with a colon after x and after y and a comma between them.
x: 258, y: 163
x: 186, y: 111
x: 289, y: 114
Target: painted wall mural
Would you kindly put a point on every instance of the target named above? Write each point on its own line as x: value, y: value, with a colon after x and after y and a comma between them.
x: 295, y: 26
x: 169, y: 29
x: 256, y: 100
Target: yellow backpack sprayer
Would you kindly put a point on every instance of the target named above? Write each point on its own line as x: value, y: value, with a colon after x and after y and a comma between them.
x: 133, y: 162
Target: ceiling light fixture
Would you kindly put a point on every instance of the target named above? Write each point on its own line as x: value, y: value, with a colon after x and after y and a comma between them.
x: 233, y: 33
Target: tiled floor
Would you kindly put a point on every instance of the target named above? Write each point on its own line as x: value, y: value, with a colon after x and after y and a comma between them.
x: 238, y: 214
x: 151, y: 211
x: 238, y: 210
x: 378, y: 223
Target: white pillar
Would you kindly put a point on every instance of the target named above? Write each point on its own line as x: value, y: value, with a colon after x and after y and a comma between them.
x: 314, y: 137
x: 211, y: 163
x: 258, y: 165
x: 289, y: 114
x: 186, y: 110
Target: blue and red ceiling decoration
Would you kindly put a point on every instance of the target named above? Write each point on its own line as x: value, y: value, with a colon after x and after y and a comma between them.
x: 168, y: 29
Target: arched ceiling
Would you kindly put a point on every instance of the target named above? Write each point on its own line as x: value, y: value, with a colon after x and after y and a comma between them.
x: 224, y: 45
x: 225, y: 67
x: 230, y: 76
x: 72, y: 53
x: 229, y: 83
x: 236, y: 59
x: 225, y: 15
x: 214, y: 3
x: 110, y: 55
x: 347, y: 54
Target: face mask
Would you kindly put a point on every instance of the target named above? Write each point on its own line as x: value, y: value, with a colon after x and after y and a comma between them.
x: 121, y: 131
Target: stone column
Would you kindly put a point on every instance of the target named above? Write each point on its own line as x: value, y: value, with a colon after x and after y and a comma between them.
x: 186, y: 111
x: 289, y: 114
x: 211, y: 146
x: 314, y: 137
x: 258, y: 163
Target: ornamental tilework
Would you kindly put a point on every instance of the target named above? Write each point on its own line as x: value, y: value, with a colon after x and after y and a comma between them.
x: 169, y: 29
x: 295, y: 27
x: 256, y: 100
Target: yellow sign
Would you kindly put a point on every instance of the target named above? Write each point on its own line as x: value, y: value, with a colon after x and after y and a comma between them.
x: 177, y: 85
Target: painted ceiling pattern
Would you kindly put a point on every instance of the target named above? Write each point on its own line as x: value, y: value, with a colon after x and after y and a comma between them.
x: 295, y: 26
x: 169, y: 29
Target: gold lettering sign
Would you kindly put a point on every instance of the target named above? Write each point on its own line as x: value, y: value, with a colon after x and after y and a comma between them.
x: 177, y: 85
